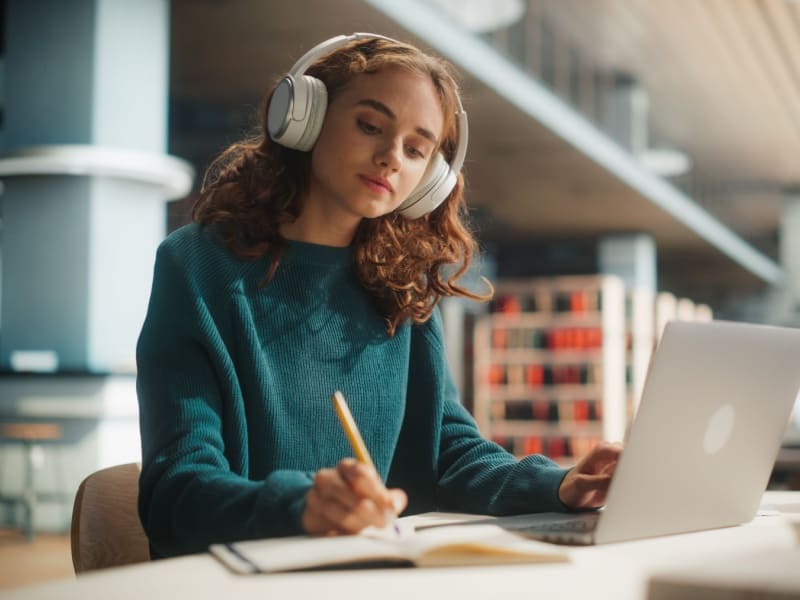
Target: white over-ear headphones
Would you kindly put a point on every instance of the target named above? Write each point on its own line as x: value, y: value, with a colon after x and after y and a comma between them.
x: 297, y: 110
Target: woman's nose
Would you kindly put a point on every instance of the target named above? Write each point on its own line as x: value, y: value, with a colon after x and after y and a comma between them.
x: 388, y: 155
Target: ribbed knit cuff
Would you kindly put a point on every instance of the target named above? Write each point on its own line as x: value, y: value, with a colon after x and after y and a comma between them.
x: 283, y: 503
x: 543, y: 483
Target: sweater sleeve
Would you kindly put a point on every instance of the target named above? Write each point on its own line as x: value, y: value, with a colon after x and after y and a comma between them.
x: 475, y: 474
x: 194, y: 490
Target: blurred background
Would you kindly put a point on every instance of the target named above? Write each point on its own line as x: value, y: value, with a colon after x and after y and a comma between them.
x: 631, y: 162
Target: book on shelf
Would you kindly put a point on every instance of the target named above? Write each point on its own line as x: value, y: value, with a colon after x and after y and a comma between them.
x: 463, y: 544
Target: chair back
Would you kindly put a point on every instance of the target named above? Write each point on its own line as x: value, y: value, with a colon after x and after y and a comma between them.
x: 106, y: 531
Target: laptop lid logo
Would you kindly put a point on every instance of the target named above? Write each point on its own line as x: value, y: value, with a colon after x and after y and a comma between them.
x: 720, y: 429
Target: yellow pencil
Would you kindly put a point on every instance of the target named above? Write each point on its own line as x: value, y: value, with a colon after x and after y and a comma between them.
x: 359, y: 447
x: 351, y: 429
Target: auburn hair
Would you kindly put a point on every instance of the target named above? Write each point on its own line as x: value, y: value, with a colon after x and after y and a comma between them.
x: 407, y: 265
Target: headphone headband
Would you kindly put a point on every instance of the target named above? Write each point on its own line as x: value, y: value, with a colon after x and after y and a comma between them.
x: 327, y: 46
x: 297, y: 109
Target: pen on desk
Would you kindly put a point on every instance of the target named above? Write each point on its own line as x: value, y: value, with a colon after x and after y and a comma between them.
x: 357, y: 442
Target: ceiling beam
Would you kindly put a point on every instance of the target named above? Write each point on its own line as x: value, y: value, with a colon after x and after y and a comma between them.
x: 518, y: 88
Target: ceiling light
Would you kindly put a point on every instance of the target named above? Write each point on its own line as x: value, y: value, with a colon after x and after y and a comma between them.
x: 665, y: 162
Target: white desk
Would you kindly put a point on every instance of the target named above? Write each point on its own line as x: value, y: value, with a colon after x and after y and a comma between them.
x: 616, y: 571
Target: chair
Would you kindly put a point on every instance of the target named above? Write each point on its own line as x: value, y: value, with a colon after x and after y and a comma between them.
x: 106, y: 531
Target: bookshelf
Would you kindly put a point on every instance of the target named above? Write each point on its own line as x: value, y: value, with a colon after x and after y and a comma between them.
x: 670, y: 308
x: 549, y: 365
x: 640, y: 323
x: 646, y: 315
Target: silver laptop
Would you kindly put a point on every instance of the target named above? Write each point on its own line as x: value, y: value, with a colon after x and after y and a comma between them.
x: 701, y: 449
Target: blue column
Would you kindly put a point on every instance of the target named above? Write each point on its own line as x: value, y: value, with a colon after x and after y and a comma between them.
x: 789, y: 235
x: 78, y: 250
x: 781, y: 305
x: 631, y: 257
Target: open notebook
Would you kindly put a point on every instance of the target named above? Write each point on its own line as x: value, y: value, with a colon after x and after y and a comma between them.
x: 441, y: 546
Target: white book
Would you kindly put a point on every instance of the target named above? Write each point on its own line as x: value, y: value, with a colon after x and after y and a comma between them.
x: 441, y: 546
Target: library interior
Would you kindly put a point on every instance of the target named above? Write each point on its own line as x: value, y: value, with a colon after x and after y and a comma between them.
x: 630, y: 164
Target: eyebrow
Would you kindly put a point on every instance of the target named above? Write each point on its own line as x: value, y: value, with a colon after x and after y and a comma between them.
x: 382, y: 108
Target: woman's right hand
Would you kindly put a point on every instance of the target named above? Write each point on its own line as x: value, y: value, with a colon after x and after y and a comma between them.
x: 346, y: 499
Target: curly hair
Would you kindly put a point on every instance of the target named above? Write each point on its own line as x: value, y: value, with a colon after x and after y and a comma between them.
x: 407, y: 265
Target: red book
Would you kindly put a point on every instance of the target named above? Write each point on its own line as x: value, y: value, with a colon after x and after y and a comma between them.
x: 509, y: 304
x: 497, y: 375
x: 533, y: 445
x: 541, y: 410
x: 556, y: 447
x: 581, y: 410
x: 577, y: 302
x: 595, y: 337
x: 534, y: 375
x: 500, y: 338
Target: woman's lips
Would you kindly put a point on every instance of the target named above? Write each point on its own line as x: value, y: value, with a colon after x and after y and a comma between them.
x: 376, y: 184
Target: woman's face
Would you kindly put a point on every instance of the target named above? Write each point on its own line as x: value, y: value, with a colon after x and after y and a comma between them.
x: 379, y: 135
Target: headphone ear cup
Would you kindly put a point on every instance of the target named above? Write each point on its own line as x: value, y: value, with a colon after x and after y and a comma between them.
x: 318, y: 105
x: 436, y: 185
x: 312, y: 96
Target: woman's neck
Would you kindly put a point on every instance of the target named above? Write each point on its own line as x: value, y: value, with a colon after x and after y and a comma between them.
x: 319, y: 227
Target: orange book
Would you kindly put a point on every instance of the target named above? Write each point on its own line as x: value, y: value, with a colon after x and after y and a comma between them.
x: 533, y: 445
x: 499, y: 338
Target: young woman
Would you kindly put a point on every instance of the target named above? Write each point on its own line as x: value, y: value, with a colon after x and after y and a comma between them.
x: 320, y: 250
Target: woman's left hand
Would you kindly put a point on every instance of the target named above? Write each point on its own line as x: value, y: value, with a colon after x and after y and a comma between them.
x: 586, y: 484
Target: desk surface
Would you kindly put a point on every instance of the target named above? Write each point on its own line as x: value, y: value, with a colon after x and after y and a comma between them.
x: 616, y: 571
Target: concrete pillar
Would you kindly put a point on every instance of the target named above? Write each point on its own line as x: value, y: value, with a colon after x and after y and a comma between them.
x: 781, y: 305
x: 454, y: 320
x: 789, y: 240
x: 631, y: 257
x: 789, y: 311
x: 78, y: 249
x: 84, y: 180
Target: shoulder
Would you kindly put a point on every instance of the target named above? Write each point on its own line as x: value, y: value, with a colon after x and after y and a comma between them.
x: 198, y: 255
x: 190, y: 242
x: 430, y: 333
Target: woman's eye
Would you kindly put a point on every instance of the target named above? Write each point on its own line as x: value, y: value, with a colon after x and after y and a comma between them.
x: 367, y: 127
x: 414, y: 152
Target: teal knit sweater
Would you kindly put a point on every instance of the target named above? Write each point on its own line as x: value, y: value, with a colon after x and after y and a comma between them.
x: 234, y: 384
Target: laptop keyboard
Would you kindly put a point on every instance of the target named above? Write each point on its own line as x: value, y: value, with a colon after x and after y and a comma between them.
x: 578, y: 525
x: 560, y: 529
